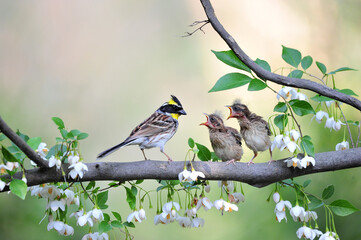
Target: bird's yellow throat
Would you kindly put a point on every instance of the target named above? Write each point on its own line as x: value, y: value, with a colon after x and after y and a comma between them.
x: 175, y: 115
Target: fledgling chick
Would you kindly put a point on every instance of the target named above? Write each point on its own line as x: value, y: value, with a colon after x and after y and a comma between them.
x: 254, y: 129
x: 155, y: 131
x: 226, y: 141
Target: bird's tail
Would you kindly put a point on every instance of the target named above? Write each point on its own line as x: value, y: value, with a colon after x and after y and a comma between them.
x: 113, y: 149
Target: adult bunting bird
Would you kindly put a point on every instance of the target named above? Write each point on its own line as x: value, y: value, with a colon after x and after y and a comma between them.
x: 226, y: 141
x: 254, y: 129
x: 155, y: 131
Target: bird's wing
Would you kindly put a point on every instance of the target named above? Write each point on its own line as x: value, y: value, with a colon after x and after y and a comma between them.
x: 235, y: 134
x: 154, y: 125
x: 261, y: 123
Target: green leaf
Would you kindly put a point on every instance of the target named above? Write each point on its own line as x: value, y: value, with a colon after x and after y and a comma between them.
x: 129, y: 224
x: 328, y: 192
x: 256, y: 85
x: 191, y: 142
x: 229, y: 58
x: 263, y: 64
x: 204, y: 154
x: 64, y: 133
x: 341, y: 70
x: 58, y: 122
x: 8, y: 155
x: 307, y: 146
x: 306, y: 62
x: 280, y: 107
x: 281, y: 121
x: 117, y: 216
x: 301, y: 107
x: 306, y: 183
x: 139, y: 181
x: 229, y: 81
x: 342, y: 208
x: 296, y: 74
x: 34, y: 142
x: 58, y: 149
x: 90, y: 185
x: 75, y: 132
x: 347, y: 92
x: 19, y: 188
x: 322, y: 67
x: 291, y: 56
x: 106, y: 217
x: 134, y: 190
x: 320, y: 98
x: 315, y: 203
x: 102, y: 198
x: 2, y: 137
x: 23, y: 136
x: 82, y: 136
x: 117, y: 224
x: 131, y: 199
x: 104, y: 227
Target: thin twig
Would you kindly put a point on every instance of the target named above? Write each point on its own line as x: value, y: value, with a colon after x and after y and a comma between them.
x: 81, y: 184
x: 315, y: 77
x: 358, y: 137
x: 205, y: 22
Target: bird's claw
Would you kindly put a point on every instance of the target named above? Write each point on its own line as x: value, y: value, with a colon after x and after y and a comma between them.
x: 231, y: 161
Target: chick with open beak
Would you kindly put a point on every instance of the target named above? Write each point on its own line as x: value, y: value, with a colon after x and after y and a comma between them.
x: 254, y: 129
x: 225, y: 141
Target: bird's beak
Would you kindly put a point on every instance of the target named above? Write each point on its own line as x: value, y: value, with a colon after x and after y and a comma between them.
x: 182, y: 112
x: 231, y: 115
x: 207, y: 123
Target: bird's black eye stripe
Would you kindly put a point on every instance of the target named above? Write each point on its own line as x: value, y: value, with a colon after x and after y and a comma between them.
x: 170, y: 108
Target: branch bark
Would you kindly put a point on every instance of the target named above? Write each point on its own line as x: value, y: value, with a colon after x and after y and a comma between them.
x: 18, y: 141
x: 257, y: 175
x: 266, y: 75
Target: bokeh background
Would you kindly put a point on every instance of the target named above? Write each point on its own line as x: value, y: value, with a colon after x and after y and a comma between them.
x: 104, y: 66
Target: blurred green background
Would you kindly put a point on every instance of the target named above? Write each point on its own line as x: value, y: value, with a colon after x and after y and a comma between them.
x: 104, y: 66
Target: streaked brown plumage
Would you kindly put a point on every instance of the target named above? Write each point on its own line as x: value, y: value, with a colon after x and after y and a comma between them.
x: 254, y: 129
x: 226, y: 141
x: 155, y: 131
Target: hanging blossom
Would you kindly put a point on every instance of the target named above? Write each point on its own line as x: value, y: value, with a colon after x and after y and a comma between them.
x: 10, y: 166
x: 284, y: 141
x: 83, y: 218
x: 307, y: 160
x: 236, y: 197
x: 95, y: 236
x: 342, y: 146
x: 329, y: 236
x: 139, y: 216
x: 53, y: 161
x: 188, y: 176
x: 2, y: 185
x: 276, y: 197
x: 169, y: 213
x: 78, y: 170
x: 298, y: 213
x: 308, y: 233
x: 205, y: 203
x: 280, y: 210
x: 42, y: 150
x: 286, y: 92
x: 293, y: 162
x: 222, y: 205
x: 226, y: 185
x: 61, y: 227
x: 320, y: 115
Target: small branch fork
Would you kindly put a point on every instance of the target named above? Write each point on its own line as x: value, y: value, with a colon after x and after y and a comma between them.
x: 205, y: 22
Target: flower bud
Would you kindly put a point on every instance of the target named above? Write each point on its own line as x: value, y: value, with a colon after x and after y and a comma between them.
x: 276, y: 197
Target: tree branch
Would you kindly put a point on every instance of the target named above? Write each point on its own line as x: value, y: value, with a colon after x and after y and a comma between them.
x: 258, y: 175
x: 18, y: 141
x: 266, y: 75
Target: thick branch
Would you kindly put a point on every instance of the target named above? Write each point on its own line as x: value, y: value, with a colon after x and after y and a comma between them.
x: 258, y: 175
x: 266, y: 75
x: 18, y: 141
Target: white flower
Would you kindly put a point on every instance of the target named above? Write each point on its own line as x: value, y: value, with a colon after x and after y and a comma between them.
x: 24, y: 179
x: 185, y: 222
x: 163, y: 220
x: 78, y: 170
x: 310, y: 215
x: 73, y: 159
x: 291, y: 146
x: 305, y: 162
x: 286, y: 91
x: 293, y: 162
x: 84, y: 219
x: 229, y: 207
x: 228, y: 185
x: 2, y: 185
x: 276, y: 197
x: 278, y: 142
x: 337, y: 125
x: 138, y: 215
x: 169, y: 212
x: 328, y: 103
x: 297, y: 213
x: 184, y: 176
x: 56, y: 204
x: 42, y: 150
x: 195, y: 174
x: 330, y: 123
x: 304, y: 232
x: 71, y: 198
x: 35, y: 190
x: 3, y: 168
x: 169, y: 206
x: 205, y: 203
x: 54, y: 162
x: 197, y: 222
x: 295, y: 135
x: 207, y: 188
x: 66, y: 230
x: 11, y: 166
x: 342, y: 146
x: 191, y: 212
x: 236, y: 197
x: 300, y: 96
x: 315, y: 233
x: 57, y: 225
x: 95, y: 236
x: 219, y: 204
x: 320, y: 115
x: 51, y: 192
x: 328, y: 236
x: 280, y: 210
x: 97, y: 214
